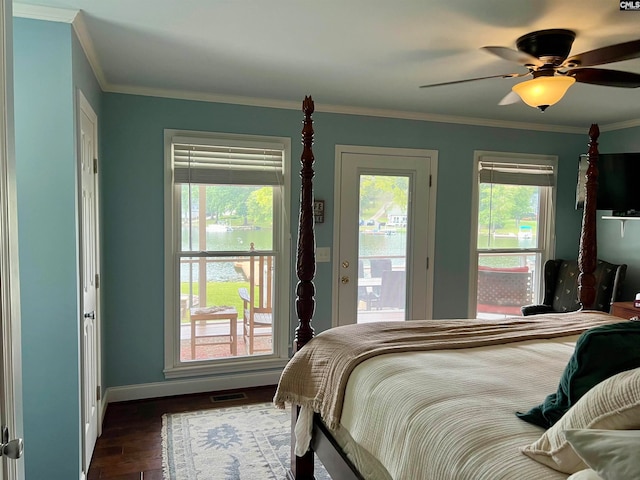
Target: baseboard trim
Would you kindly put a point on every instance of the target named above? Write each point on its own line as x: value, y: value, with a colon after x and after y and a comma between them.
x: 194, y: 385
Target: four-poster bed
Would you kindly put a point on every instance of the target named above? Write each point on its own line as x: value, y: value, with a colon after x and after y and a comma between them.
x: 345, y: 385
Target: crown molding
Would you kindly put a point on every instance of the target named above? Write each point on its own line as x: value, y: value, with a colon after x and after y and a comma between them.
x: 80, y: 27
x: 203, y: 97
x: 40, y: 12
x: 432, y: 117
x: 620, y: 125
x: 345, y: 110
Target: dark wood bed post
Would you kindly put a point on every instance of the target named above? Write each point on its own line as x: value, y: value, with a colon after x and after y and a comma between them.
x: 302, y: 467
x: 588, y: 255
x: 306, y: 258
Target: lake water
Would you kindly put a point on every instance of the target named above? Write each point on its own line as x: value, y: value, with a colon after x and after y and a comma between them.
x: 224, y: 240
x: 371, y: 245
x: 381, y: 245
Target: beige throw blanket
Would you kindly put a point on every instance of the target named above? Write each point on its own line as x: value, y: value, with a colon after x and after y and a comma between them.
x: 317, y: 375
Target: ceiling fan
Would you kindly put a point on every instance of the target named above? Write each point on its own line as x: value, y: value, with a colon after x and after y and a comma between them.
x: 545, y: 54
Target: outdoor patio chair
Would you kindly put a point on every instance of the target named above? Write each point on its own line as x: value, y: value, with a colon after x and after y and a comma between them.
x: 393, y: 289
x: 365, y: 294
x: 258, y: 320
x: 378, y: 266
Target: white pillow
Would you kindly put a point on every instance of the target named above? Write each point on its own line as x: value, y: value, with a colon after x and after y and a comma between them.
x: 613, y: 404
x: 613, y: 454
x: 587, y: 474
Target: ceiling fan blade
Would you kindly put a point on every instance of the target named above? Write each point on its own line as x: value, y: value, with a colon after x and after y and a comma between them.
x: 510, y: 98
x: 610, y: 54
x: 609, y: 78
x: 515, y: 56
x: 506, y: 75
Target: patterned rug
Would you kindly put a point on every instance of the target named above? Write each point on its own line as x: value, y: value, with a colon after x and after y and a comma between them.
x: 250, y: 442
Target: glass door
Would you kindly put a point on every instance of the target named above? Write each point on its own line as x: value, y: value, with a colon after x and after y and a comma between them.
x: 382, y: 236
x: 382, y: 247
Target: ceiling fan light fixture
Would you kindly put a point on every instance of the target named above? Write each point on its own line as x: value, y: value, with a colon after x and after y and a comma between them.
x: 544, y: 91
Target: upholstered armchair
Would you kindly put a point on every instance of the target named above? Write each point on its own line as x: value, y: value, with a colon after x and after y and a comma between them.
x: 561, y: 287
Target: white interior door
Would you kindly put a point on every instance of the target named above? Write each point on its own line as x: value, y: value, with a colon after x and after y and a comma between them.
x: 11, y: 466
x: 90, y: 335
x: 385, y: 199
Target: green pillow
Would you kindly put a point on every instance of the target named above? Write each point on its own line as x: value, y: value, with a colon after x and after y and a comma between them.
x: 600, y: 353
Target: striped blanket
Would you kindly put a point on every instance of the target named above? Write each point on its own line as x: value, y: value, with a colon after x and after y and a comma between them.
x: 316, y: 376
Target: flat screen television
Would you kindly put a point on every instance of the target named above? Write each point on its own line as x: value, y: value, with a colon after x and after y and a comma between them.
x: 618, y: 182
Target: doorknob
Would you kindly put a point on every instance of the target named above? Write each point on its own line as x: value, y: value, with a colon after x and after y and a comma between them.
x: 344, y: 279
x: 11, y: 448
x: 91, y: 315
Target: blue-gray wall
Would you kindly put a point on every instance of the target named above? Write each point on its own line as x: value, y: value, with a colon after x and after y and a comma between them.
x: 132, y: 188
x: 49, y: 66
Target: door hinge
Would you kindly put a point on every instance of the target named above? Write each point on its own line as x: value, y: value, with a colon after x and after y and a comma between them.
x: 97, y: 280
x: 98, y: 393
x: 429, y: 180
x: 95, y: 165
x: 427, y: 263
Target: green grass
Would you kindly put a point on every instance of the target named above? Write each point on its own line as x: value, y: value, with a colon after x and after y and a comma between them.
x: 218, y: 293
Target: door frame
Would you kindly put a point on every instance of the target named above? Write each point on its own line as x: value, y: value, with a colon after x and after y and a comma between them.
x: 10, y: 333
x: 432, y: 155
x: 84, y: 107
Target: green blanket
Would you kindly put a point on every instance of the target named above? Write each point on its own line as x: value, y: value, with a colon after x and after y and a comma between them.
x: 600, y: 353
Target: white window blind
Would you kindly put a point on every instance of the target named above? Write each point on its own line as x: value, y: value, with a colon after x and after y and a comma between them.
x: 516, y: 173
x: 198, y: 161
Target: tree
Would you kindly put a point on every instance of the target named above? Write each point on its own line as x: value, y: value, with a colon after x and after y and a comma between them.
x: 522, y: 202
x: 493, y: 210
x: 260, y: 206
x: 227, y: 198
x: 501, y: 203
x: 377, y: 191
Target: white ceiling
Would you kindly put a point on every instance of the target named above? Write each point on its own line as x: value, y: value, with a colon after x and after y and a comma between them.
x: 357, y: 56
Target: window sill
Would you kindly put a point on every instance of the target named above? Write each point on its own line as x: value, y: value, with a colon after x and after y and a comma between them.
x: 235, y: 366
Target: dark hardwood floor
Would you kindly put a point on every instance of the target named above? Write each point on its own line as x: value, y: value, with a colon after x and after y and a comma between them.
x: 130, y: 447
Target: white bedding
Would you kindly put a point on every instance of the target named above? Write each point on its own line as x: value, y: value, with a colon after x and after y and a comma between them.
x: 460, y: 410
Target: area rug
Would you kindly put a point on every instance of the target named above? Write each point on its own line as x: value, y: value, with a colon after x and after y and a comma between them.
x: 249, y: 442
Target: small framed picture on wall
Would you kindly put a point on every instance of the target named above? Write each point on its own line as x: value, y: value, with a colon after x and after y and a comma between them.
x: 318, y: 211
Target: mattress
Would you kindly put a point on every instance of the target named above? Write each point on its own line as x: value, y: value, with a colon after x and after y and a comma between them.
x: 450, y: 414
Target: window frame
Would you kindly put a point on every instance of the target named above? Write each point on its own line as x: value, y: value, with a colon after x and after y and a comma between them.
x: 173, y: 367
x: 546, y: 224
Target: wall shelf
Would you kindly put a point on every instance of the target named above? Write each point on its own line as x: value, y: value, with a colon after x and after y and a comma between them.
x: 622, y: 220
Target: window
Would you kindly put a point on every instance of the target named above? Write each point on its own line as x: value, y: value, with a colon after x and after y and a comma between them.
x: 514, y: 231
x: 227, y: 251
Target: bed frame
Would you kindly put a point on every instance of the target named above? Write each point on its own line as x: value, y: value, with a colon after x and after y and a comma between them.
x: 322, y: 443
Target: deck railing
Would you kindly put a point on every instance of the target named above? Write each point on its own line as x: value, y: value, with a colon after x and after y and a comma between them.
x: 506, y: 282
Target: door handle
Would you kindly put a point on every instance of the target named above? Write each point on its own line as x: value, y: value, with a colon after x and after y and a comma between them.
x: 91, y: 315
x: 11, y: 448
